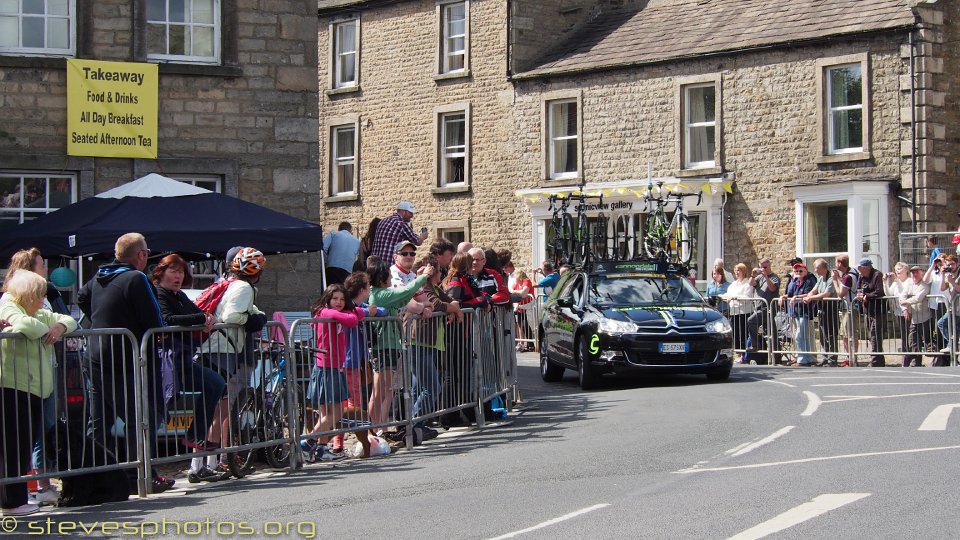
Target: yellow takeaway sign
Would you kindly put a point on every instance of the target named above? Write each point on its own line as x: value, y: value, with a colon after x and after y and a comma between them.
x: 112, y: 109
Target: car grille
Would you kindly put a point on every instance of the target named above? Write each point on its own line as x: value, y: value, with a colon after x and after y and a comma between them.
x: 657, y: 359
x: 661, y: 329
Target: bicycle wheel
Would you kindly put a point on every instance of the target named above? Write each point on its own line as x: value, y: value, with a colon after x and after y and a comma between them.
x: 276, y: 426
x: 684, y: 242
x: 653, y: 240
x: 565, y: 239
x: 582, y: 250
x: 621, y: 240
x: 598, y: 240
x: 245, y: 429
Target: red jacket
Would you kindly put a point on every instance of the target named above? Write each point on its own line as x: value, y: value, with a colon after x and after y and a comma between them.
x: 331, y: 337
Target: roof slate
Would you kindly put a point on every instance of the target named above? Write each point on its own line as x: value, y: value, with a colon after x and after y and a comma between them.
x: 675, y: 29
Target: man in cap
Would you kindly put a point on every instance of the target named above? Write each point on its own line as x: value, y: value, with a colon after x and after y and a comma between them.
x: 869, y: 300
x: 913, y: 299
x: 395, y: 228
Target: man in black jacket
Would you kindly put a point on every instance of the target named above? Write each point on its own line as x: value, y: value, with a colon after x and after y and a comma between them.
x: 869, y: 300
x: 120, y: 296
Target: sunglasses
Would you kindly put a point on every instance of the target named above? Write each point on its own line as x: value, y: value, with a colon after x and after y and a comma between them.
x: 408, y: 253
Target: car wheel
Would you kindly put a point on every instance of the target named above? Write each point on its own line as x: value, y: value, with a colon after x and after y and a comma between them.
x: 587, y: 377
x: 549, y: 371
x: 720, y: 375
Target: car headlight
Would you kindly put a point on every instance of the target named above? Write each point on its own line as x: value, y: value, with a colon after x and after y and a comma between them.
x: 617, y: 327
x: 719, y: 326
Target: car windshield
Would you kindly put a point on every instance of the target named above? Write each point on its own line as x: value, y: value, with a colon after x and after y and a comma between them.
x: 643, y: 290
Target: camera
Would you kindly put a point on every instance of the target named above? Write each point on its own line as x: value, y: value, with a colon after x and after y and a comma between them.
x: 858, y: 306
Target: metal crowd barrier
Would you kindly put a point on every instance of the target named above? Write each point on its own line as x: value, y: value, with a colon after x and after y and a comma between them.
x: 140, y: 408
x: 237, y: 420
x: 88, y: 422
x: 837, y: 332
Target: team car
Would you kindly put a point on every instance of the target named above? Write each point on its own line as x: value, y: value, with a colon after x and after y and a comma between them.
x: 631, y: 317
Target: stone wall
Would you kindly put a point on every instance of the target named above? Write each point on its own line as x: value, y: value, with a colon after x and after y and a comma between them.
x: 252, y: 121
x: 395, y: 105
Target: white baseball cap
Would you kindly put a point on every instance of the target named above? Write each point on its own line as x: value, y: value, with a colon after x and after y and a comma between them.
x: 406, y: 205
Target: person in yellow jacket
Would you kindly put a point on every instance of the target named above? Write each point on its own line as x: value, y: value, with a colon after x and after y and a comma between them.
x: 26, y: 377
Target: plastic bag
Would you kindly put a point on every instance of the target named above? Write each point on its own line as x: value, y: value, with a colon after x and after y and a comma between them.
x: 378, y: 447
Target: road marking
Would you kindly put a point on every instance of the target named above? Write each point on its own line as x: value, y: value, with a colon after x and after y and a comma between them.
x: 891, y: 384
x: 808, y: 510
x: 938, y: 418
x: 696, y: 469
x: 846, y: 378
x: 813, y: 403
x: 749, y: 447
x: 553, y: 521
x: 770, y: 381
x: 838, y: 399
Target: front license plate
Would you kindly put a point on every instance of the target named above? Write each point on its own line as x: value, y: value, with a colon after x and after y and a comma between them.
x: 674, y: 347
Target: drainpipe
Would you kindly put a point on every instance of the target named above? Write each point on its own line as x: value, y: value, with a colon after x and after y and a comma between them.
x: 913, y: 138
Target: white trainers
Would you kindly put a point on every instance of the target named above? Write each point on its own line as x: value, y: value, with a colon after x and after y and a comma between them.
x: 324, y: 454
x: 22, y: 510
x: 945, y: 350
x: 48, y: 496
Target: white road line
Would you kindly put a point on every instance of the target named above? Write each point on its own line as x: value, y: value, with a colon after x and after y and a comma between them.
x: 890, y: 384
x: 815, y: 459
x: 770, y: 381
x: 838, y: 399
x: 938, y: 418
x: 741, y: 450
x: 846, y: 378
x: 819, y: 505
x: 813, y: 403
x: 553, y: 521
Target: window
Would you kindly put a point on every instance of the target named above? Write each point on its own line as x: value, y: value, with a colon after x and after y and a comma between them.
x: 699, y: 126
x: 343, y: 160
x: 453, y: 37
x: 183, y: 31
x: 844, y: 115
x: 849, y: 218
x: 211, y: 183
x: 845, y: 109
x: 453, y: 148
x: 345, y: 58
x: 563, y: 149
x: 25, y: 196
x: 454, y: 235
x: 38, y: 27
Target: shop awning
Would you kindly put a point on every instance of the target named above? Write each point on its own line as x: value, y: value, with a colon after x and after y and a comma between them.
x: 625, y: 188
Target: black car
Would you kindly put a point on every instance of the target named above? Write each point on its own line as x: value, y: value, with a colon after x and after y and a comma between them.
x: 622, y: 317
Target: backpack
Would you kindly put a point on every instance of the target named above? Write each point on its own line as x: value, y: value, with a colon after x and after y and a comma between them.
x: 210, y: 297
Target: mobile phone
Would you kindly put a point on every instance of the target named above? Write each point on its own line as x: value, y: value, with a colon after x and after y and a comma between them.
x: 423, y: 230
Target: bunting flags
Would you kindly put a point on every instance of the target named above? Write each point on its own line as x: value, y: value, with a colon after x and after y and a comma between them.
x: 713, y: 186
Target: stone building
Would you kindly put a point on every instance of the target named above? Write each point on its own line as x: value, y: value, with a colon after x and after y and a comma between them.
x: 813, y: 128
x: 237, y: 107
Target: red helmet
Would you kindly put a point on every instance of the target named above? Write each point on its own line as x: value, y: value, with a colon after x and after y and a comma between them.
x: 248, y: 261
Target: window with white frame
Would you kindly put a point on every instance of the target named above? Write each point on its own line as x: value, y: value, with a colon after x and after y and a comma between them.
x: 343, y: 160
x: 845, y: 112
x: 185, y: 31
x: 564, y: 139
x: 346, y: 42
x: 699, y: 125
x: 27, y: 195
x: 453, y: 148
x: 208, y: 182
x: 38, y: 27
x: 453, y: 38
x: 845, y: 219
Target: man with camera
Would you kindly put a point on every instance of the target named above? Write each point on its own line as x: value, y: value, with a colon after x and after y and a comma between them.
x: 869, y: 301
x: 844, y: 284
x: 766, y: 283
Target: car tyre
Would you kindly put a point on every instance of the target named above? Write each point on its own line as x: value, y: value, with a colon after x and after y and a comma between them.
x: 549, y: 371
x: 720, y: 375
x: 588, y: 379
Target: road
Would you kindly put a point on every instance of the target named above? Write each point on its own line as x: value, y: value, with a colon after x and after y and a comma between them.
x: 774, y: 452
